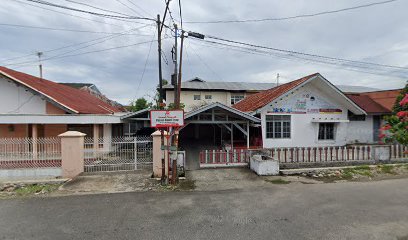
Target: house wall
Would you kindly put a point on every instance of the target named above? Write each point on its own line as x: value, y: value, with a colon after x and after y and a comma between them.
x: 13, y: 130
x: 15, y: 99
x: 187, y: 97
x: 360, y: 131
x: 53, y: 130
x: 304, y: 132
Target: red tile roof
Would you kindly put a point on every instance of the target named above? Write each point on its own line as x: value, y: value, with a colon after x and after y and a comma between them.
x: 70, y: 98
x: 258, y: 100
x: 385, y: 98
x: 367, y: 104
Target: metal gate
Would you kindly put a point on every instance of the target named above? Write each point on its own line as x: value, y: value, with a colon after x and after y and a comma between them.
x: 118, y: 153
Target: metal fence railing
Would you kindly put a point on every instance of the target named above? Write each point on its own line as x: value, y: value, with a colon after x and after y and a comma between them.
x: 30, y: 153
x: 118, y: 153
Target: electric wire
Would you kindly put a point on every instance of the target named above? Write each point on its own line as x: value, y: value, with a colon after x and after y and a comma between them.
x: 292, y: 17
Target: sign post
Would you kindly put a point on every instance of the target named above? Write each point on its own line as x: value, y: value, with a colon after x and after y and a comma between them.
x: 170, y: 120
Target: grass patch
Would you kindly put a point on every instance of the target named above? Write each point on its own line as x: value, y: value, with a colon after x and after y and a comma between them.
x: 360, y: 170
x: 362, y: 167
x: 33, y: 189
x: 278, y: 181
x: 387, y: 169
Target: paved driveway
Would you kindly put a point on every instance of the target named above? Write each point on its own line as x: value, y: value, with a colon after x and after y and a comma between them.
x: 364, y: 210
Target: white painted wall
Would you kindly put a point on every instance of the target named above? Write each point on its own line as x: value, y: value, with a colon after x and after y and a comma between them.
x: 360, y: 131
x: 17, y: 100
x: 187, y: 97
x: 304, y: 132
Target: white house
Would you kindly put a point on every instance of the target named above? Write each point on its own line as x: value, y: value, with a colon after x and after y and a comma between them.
x: 35, y: 107
x: 310, y: 112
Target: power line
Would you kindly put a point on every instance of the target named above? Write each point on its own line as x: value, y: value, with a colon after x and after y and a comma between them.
x: 140, y: 8
x: 77, y: 44
x: 89, y: 52
x: 306, y: 54
x: 145, y: 65
x: 55, y: 29
x: 131, y: 9
x: 68, y: 14
x: 344, y: 66
x: 90, y: 12
x: 98, y: 8
x: 74, y: 50
x: 294, y: 17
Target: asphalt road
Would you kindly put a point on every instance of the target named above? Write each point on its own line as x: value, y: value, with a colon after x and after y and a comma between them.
x: 370, y: 210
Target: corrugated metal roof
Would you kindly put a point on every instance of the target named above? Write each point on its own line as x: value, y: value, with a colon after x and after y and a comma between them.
x: 199, y: 84
x: 228, y: 86
x: 355, y: 89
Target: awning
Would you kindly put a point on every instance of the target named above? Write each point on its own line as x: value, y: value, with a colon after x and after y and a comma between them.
x: 329, y: 120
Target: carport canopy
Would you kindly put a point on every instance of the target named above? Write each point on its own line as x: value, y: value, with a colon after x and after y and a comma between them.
x: 222, y: 115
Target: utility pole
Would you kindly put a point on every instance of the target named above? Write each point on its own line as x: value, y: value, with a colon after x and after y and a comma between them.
x: 160, y: 100
x: 175, y: 59
x: 180, y: 73
x: 39, y: 54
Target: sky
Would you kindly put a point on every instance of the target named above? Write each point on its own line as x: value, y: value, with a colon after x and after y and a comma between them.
x: 122, y: 56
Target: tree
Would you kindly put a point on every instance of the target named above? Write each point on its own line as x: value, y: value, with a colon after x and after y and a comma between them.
x: 156, y: 104
x: 139, y: 104
x: 396, y: 128
x: 397, y: 107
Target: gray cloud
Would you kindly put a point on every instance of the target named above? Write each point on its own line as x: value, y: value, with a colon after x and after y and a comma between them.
x: 377, y: 34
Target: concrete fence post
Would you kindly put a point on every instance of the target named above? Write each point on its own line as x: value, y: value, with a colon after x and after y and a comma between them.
x: 381, y: 153
x: 158, y: 154
x: 72, y: 151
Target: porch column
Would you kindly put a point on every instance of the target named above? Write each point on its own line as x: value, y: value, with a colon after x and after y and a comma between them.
x: 232, y: 137
x: 107, y: 136
x: 96, y: 136
x: 34, y: 134
x: 247, y: 134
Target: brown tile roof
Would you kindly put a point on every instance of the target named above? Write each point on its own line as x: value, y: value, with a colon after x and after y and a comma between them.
x: 258, y: 100
x: 70, y: 98
x: 385, y: 98
x: 367, y: 103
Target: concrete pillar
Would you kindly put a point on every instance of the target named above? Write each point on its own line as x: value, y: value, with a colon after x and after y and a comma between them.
x: 96, y: 136
x: 34, y: 134
x: 107, y: 136
x: 381, y: 153
x: 72, y: 151
x: 158, y: 154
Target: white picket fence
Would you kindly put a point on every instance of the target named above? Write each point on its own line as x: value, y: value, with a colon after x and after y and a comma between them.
x: 30, y: 153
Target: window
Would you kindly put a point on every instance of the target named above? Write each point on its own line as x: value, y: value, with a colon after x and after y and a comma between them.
x: 208, y: 97
x: 197, y: 97
x: 278, y: 126
x: 353, y: 117
x: 236, y: 98
x: 326, y: 131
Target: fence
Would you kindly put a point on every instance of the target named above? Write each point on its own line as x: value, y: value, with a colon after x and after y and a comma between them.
x: 397, y: 151
x: 218, y: 157
x: 118, y: 153
x: 30, y: 153
x: 289, y: 157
